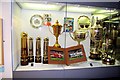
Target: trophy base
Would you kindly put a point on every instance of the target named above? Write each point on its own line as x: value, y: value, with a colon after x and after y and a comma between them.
x: 95, y: 56
x: 31, y: 59
x: 45, y: 60
x: 108, y: 61
x: 37, y: 59
x: 24, y: 61
x: 57, y: 45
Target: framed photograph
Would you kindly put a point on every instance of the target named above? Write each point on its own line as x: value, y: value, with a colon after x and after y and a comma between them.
x: 56, y: 55
x: 75, y: 54
x: 68, y: 24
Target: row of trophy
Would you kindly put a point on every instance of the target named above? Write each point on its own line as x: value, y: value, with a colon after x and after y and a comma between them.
x: 101, y: 49
x: 102, y: 44
x: 27, y: 55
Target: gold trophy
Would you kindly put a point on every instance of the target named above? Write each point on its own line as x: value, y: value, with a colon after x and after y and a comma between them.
x: 38, y: 50
x: 45, y: 51
x: 31, y: 57
x: 56, y: 32
x: 79, y: 35
x: 24, y: 49
x: 109, y: 54
x: 96, y: 38
x: 82, y: 32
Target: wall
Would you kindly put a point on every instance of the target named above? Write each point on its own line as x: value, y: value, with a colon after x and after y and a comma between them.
x: 0, y: 36
x: 0, y: 9
x: 6, y: 15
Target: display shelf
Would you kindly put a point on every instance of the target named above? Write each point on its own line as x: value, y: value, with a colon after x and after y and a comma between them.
x: 86, y: 64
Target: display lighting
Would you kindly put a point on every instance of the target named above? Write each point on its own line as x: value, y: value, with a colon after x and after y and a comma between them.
x: 38, y: 6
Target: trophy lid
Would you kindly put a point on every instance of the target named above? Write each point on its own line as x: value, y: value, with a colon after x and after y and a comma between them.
x: 57, y: 24
x: 24, y: 34
x: 38, y: 38
x: 97, y: 25
x: 30, y: 38
x: 46, y: 39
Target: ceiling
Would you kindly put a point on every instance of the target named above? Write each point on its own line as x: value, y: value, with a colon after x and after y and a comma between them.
x: 101, y: 13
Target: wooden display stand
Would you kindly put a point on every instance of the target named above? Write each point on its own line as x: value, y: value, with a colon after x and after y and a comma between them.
x: 66, y: 56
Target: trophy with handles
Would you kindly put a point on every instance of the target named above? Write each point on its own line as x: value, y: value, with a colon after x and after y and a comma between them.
x: 56, y: 32
x: 82, y: 32
x: 96, y: 38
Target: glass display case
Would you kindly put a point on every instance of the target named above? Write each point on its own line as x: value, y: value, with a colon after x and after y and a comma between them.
x: 63, y: 36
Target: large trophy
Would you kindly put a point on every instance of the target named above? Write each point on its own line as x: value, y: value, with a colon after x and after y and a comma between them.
x: 108, y: 53
x: 24, y: 49
x: 82, y: 32
x: 96, y: 38
x: 56, y: 32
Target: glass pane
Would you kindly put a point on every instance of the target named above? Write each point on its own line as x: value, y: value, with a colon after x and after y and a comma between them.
x: 50, y: 35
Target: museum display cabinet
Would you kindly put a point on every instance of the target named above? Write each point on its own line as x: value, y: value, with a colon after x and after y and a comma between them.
x: 51, y: 38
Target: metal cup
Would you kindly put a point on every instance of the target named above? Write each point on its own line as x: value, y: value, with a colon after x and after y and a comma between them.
x: 56, y: 32
x: 96, y: 38
x: 79, y: 35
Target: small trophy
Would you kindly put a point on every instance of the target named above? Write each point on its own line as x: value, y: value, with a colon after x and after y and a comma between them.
x: 82, y: 32
x: 31, y: 57
x: 56, y: 32
x: 45, y: 51
x: 96, y: 38
x: 24, y: 49
x: 38, y: 50
x: 108, y: 56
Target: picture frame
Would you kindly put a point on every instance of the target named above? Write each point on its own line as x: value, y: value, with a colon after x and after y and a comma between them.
x: 1, y: 44
x: 68, y: 24
x: 56, y: 55
x: 75, y: 54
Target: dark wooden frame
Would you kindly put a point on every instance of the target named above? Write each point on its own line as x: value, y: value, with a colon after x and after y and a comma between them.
x: 1, y: 43
x: 56, y: 49
x: 66, y: 55
x: 68, y: 62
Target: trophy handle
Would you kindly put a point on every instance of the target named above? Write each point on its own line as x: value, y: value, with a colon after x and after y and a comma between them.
x: 87, y: 34
x: 50, y: 30
x: 71, y: 36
